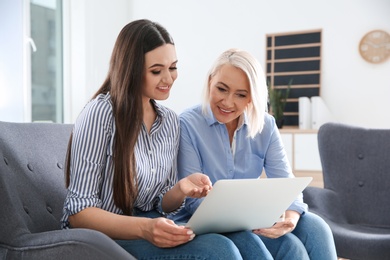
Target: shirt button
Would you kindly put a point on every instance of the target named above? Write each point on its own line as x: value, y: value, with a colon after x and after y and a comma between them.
x: 153, y: 170
x: 150, y: 151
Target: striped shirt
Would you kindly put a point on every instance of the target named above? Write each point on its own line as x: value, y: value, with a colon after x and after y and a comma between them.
x: 92, y: 159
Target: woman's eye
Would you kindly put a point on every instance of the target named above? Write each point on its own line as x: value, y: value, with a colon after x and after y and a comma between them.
x: 221, y: 89
x: 241, y: 95
x: 156, y: 72
x: 173, y: 68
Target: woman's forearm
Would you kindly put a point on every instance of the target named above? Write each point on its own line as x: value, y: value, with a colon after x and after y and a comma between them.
x: 114, y: 225
x: 173, y: 199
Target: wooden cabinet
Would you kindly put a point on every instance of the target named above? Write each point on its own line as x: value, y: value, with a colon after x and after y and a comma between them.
x: 302, y: 151
x: 294, y: 57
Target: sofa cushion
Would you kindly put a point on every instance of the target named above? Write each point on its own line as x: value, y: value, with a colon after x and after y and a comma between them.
x: 32, y: 189
x: 32, y: 194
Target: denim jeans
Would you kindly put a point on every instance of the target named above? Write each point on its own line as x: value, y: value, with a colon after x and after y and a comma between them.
x: 311, y: 239
x: 207, y: 246
x: 316, y: 236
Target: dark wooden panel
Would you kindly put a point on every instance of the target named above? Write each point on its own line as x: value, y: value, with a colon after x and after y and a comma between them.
x: 297, y: 66
x: 269, y: 41
x: 291, y: 120
x: 269, y: 55
x: 291, y: 107
x: 304, y: 92
x: 302, y: 38
x: 297, y: 79
x: 300, y: 63
x: 296, y: 53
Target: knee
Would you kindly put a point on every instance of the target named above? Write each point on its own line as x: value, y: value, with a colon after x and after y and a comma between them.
x: 317, y: 236
x: 286, y: 247
x: 313, y: 227
x: 315, y: 223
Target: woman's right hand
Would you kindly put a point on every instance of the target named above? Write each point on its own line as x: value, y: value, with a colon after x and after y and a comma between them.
x: 196, y: 185
x: 163, y: 232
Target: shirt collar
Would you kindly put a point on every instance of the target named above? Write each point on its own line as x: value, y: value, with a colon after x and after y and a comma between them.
x: 159, y: 111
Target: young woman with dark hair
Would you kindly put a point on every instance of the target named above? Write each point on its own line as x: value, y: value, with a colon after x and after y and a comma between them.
x: 121, y: 163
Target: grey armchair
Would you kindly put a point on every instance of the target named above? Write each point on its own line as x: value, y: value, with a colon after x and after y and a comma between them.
x: 32, y: 194
x: 355, y: 198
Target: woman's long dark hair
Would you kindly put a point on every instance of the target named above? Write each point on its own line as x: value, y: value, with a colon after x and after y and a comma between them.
x: 124, y: 82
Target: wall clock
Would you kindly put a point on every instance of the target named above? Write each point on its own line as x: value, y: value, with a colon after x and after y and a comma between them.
x: 374, y: 47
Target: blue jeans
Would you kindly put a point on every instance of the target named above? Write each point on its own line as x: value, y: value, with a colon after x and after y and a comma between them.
x: 317, y: 237
x: 207, y: 246
x: 311, y: 239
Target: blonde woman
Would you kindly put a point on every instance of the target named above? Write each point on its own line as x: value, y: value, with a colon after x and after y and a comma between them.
x: 231, y: 136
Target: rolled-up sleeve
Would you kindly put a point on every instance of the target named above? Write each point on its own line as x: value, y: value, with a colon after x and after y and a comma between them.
x: 277, y: 166
x: 188, y: 162
x: 91, y: 137
x: 173, y: 175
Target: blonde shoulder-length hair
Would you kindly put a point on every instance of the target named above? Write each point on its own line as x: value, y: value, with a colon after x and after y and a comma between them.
x: 257, y: 108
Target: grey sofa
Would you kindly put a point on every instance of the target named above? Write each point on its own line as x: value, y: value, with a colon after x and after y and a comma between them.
x: 355, y: 198
x: 32, y: 193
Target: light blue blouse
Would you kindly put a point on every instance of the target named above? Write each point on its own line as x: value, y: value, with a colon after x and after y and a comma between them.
x: 205, y: 147
x: 92, y: 159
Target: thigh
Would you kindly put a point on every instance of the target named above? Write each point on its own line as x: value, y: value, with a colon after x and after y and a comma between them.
x: 147, y: 214
x: 316, y: 236
x: 250, y: 245
x: 207, y: 246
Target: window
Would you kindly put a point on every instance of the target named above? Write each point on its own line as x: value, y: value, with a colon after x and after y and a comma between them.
x: 294, y: 56
x: 46, y: 61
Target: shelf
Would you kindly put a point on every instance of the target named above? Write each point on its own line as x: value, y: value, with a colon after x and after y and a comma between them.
x: 296, y: 130
x: 294, y: 56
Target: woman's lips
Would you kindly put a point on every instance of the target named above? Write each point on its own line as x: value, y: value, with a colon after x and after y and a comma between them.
x: 225, y: 111
x: 163, y: 88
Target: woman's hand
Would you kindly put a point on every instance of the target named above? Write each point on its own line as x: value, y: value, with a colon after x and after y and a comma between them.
x: 164, y: 232
x: 286, y: 225
x: 196, y: 185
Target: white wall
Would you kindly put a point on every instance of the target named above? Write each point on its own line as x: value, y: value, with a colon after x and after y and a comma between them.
x: 90, y: 28
x: 355, y: 91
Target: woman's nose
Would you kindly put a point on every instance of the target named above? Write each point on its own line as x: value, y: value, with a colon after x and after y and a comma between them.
x: 167, y: 78
x: 228, y: 100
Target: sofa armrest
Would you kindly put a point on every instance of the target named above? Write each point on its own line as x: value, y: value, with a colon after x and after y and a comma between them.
x: 325, y: 203
x: 64, y: 244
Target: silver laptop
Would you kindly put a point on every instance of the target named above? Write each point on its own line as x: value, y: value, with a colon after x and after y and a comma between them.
x: 245, y: 204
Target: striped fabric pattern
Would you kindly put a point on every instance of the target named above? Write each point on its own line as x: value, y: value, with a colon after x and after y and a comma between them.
x: 92, y: 159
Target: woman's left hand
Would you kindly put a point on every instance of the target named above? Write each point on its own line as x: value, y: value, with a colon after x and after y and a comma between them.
x: 196, y: 185
x: 282, y: 227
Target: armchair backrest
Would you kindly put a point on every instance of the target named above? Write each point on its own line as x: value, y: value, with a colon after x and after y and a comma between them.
x: 356, y: 165
x: 32, y: 189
